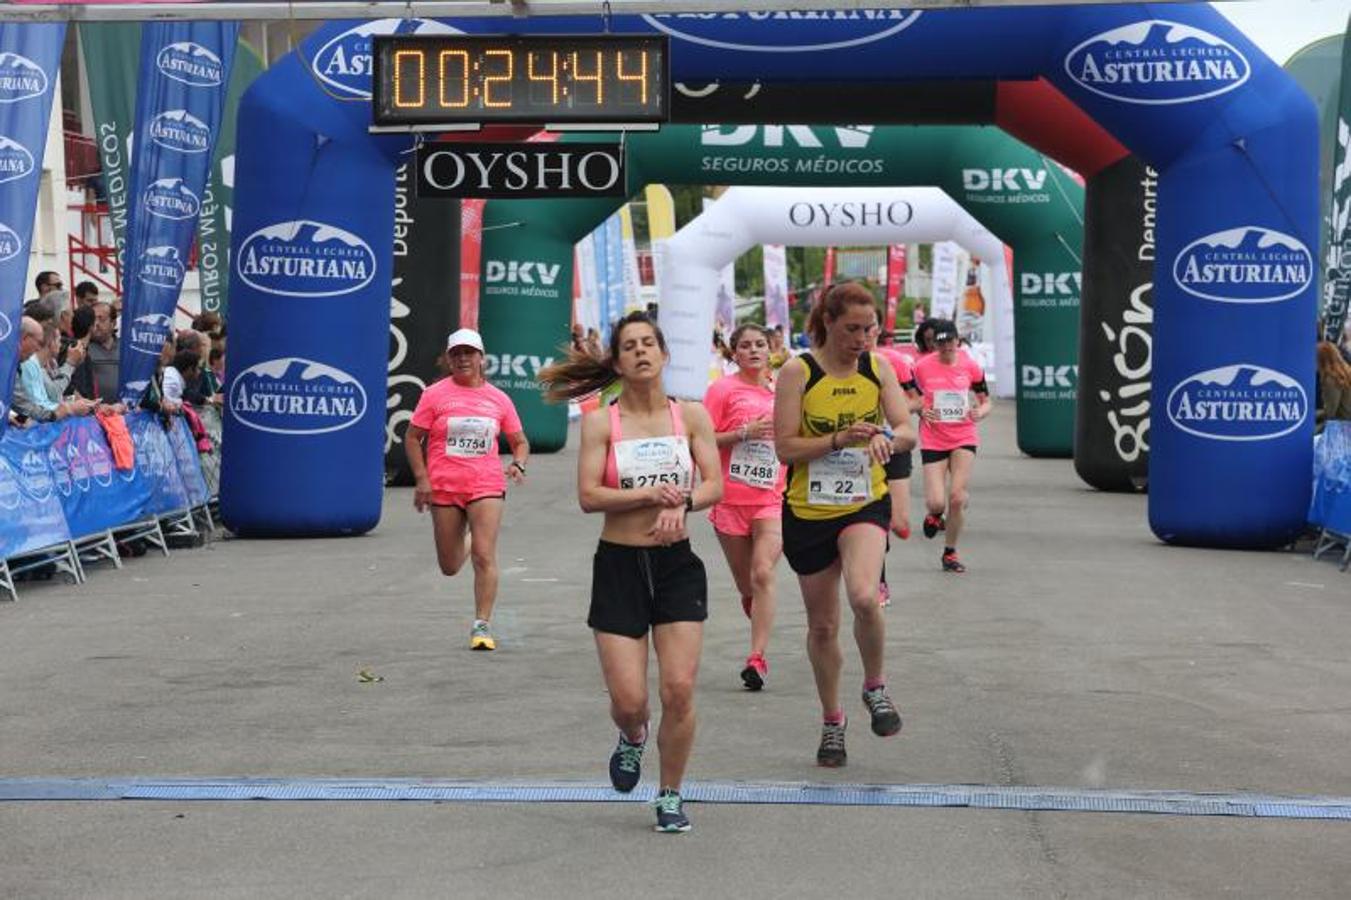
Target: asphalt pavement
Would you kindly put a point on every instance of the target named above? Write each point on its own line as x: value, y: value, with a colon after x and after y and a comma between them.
x: 1076, y: 653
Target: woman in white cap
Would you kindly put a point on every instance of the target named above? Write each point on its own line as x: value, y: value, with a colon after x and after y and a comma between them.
x: 459, y: 475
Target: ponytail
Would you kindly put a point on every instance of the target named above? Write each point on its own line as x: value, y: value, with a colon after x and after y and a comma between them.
x: 581, y: 374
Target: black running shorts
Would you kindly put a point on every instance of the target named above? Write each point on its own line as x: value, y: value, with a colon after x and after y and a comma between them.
x: 933, y: 456
x: 634, y: 588
x: 899, y: 466
x: 810, y: 545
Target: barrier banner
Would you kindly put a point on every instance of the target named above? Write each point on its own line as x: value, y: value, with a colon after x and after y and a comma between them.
x: 180, y: 96
x: 776, y: 289
x: 95, y: 495
x: 112, y: 54
x: 1116, y: 328
x: 1337, y: 266
x: 423, y: 308
x: 213, y: 228
x: 30, y: 507
x: 189, y: 462
x: 30, y: 56
x: 157, y: 464
x: 896, y: 265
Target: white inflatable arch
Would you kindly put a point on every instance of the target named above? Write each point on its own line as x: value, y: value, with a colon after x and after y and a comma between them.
x: 812, y: 217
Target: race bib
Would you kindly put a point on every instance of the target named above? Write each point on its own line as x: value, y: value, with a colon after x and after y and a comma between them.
x: 470, y: 436
x: 844, y: 478
x: 951, y: 406
x: 753, y: 463
x: 644, y: 462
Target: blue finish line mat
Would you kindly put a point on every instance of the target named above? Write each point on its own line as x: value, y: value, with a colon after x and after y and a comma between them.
x: 1030, y: 799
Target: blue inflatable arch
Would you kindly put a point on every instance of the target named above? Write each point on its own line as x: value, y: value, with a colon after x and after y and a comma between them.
x: 1233, y: 138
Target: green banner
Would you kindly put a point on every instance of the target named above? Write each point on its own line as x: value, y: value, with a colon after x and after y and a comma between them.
x: 112, y: 57
x: 213, y: 228
x: 1337, y: 273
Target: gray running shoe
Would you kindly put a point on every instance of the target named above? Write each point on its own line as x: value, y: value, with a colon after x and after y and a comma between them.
x: 626, y: 764
x: 886, y: 718
x: 671, y: 818
x: 831, y: 752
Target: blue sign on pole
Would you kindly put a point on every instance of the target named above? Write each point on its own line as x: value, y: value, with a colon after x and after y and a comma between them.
x: 30, y: 56
x: 180, y: 94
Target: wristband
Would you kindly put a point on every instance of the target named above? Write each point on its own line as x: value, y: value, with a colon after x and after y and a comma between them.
x: 517, y: 465
x: 689, y: 502
x: 743, y: 433
x: 833, y: 436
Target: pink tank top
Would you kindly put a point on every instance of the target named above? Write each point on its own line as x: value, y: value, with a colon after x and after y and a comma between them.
x: 616, y: 437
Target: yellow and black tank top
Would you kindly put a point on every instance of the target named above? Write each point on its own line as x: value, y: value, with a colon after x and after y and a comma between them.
x: 847, y: 480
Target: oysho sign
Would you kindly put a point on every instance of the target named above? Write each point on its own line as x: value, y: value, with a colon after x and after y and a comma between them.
x: 15, y: 160
x: 20, y: 78
x: 296, y: 396
x: 1239, y: 403
x: 190, y: 63
x: 851, y: 214
x: 520, y: 171
x: 1245, y: 265
x: 302, y: 258
x: 1157, y: 62
x: 780, y: 32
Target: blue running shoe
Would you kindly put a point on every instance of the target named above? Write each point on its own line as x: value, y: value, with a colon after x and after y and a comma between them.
x: 626, y: 763
x: 671, y: 818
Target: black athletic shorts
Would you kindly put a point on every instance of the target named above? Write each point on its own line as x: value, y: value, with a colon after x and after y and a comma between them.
x: 899, y: 466
x: 933, y: 456
x: 634, y: 588
x: 810, y: 545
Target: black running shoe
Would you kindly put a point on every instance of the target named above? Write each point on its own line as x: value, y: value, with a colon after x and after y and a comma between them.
x: 671, y: 818
x: 626, y: 764
x: 932, y: 525
x: 952, y: 564
x: 886, y: 718
x: 831, y: 752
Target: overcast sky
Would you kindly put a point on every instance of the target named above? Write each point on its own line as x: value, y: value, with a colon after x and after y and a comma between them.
x: 1281, y: 27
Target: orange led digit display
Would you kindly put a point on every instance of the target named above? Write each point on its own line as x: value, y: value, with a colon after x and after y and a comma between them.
x: 450, y: 79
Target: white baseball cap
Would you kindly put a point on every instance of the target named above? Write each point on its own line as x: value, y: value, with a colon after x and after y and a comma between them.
x: 465, y: 337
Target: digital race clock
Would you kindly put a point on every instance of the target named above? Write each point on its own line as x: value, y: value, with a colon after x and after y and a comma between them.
x: 452, y: 79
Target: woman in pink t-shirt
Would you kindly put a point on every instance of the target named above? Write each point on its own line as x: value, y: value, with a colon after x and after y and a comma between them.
x: 460, y: 476
x: 947, y: 380
x: 748, y: 520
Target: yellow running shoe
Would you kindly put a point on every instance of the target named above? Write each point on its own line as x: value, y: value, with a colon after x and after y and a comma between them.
x: 480, y: 638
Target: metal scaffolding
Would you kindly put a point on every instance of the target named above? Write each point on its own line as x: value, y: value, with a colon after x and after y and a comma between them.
x: 221, y: 10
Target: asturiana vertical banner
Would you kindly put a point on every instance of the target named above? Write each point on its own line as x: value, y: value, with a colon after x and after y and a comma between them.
x: 30, y: 56
x: 776, y: 288
x: 180, y: 97
x: 1337, y: 272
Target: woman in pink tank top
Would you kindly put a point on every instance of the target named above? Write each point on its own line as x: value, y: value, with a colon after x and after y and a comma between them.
x: 637, y: 466
x: 748, y: 521
x: 459, y: 474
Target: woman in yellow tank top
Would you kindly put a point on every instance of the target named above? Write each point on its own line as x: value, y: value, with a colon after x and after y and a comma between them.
x: 839, y: 414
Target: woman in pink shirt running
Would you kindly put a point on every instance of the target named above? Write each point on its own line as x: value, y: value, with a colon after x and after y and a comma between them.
x: 947, y: 380
x: 459, y: 475
x: 748, y: 521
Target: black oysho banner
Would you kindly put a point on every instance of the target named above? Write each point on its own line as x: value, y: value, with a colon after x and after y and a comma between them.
x: 1111, y: 435
x: 520, y: 171
x: 424, y: 308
